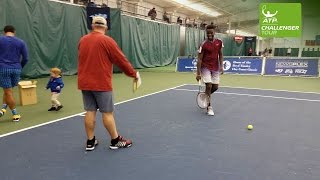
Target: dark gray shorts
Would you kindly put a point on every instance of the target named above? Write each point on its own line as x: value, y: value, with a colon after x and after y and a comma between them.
x: 101, y: 100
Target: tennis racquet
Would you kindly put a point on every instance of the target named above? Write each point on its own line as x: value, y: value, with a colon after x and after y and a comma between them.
x: 202, y: 97
x: 137, y: 84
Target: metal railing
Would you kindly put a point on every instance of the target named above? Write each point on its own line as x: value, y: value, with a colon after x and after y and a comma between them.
x: 136, y: 10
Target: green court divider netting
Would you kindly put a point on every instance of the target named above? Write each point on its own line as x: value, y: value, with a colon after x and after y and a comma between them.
x: 194, y: 37
x: 51, y: 30
x: 115, y: 31
x: 149, y: 44
x: 3, y: 14
x: 228, y: 43
x: 238, y: 48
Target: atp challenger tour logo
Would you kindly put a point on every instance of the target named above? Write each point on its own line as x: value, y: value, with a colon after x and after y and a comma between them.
x: 269, y: 18
x: 280, y: 19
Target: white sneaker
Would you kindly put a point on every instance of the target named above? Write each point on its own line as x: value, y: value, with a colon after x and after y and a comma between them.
x: 210, y: 111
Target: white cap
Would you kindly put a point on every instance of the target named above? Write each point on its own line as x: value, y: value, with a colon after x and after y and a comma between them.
x: 99, y: 21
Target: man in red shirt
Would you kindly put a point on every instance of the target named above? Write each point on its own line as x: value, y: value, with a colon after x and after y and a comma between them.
x: 97, y: 53
x: 210, y: 64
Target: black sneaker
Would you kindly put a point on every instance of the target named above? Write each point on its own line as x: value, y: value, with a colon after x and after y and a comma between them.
x: 91, y: 144
x: 52, y: 109
x: 59, y: 107
x: 122, y: 143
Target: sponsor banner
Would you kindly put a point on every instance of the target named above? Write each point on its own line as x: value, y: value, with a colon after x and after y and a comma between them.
x: 98, y: 11
x: 242, y: 65
x: 292, y: 67
x: 186, y: 64
x: 250, y: 39
x: 238, y: 39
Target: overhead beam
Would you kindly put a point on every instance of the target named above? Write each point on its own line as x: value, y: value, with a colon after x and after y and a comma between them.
x: 217, y: 8
x: 170, y: 9
x: 236, y: 18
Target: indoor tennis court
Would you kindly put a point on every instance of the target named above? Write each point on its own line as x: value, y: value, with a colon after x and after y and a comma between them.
x: 174, y: 139
x: 265, y: 56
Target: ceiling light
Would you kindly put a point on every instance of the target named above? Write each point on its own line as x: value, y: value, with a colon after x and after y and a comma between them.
x: 198, y: 7
x: 239, y: 32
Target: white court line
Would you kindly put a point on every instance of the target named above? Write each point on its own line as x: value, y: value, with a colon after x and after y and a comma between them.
x: 254, y: 95
x: 261, y: 89
x: 82, y: 113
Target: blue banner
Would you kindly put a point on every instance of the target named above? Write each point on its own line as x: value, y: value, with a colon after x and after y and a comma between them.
x: 186, y: 64
x: 98, y: 11
x: 243, y: 65
x: 292, y: 67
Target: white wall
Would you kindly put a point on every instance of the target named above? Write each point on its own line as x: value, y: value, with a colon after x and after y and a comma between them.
x: 110, y: 3
x: 129, y: 7
x: 286, y: 42
x: 310, y: 28
x: 145, y: 7
x: 263, y: 43
x: 176, y: 15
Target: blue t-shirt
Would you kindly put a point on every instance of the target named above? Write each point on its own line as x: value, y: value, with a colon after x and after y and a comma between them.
x: 11, y: 50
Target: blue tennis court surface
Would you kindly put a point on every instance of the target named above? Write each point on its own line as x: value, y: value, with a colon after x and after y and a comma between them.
x: 174, y: 139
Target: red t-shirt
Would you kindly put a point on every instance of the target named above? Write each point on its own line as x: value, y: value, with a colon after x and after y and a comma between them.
x: 210, y: 50
x: 97, y: 53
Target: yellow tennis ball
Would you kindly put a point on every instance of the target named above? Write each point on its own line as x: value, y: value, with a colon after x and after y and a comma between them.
x: 250, y: 127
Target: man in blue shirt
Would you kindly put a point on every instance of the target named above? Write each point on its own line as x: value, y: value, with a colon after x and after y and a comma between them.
x: 12, y: 49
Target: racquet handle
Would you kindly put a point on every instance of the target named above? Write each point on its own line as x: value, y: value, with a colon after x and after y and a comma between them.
x: 199, y: 82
